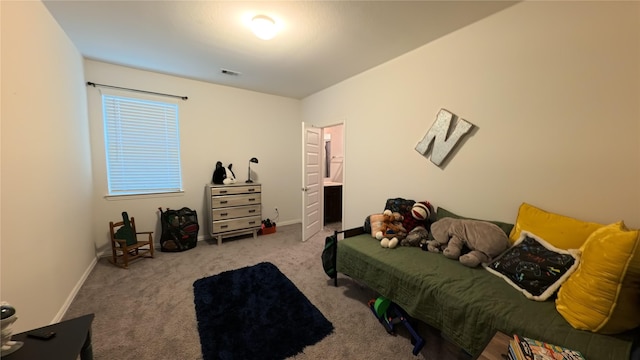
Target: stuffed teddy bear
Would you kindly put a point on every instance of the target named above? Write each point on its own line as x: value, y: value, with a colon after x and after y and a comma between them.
x: 222, y: 175
x: 484, y: 239
x: 387, y: 227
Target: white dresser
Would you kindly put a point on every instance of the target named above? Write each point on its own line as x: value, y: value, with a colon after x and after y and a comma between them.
x: 234, y: 210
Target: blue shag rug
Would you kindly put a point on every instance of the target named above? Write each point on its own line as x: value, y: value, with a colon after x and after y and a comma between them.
x: 255, y: 312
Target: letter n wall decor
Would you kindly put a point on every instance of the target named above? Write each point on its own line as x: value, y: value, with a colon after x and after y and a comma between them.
x: 443, y: 139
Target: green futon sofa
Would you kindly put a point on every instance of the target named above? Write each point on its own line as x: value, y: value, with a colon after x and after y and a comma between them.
x: 468, y: 305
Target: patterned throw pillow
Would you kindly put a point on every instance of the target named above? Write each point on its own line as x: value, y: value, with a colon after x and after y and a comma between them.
x: 535, y: 267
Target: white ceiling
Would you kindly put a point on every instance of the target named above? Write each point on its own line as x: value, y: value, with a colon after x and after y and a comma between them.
x: 320, y: 42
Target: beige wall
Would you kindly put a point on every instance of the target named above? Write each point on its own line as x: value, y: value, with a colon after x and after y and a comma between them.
x: 217, y: 123
x: 46, y: 239
x: 554, y: 90
x: 552, y: 87
x: 52, y: 175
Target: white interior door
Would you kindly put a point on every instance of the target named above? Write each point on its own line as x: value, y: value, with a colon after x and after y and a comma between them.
x: 311, y: 177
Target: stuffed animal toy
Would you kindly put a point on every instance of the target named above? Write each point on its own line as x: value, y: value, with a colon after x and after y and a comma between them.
x: 435, y: 246
x: 389, y: 243
x: 415, y: 237
x: 375, y: 223
x: 387, y: 227
x: 484, y: 239
x: 222, y: 175
x: 416, y: 223
x: 421, y: 211
x: 419, y: 215
x: 391, y: 226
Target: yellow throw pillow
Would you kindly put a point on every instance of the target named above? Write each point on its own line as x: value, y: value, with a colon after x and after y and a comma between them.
x: 560, y: 231
x: 603, y: 295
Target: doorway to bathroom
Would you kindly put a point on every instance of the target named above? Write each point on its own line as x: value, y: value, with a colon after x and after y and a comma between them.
x: 333, y: 175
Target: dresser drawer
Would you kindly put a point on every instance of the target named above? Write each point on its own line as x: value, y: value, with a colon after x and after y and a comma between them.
x: 235, y: 212
x: 236, y: 224
x: 231, y: 190
x: 234, y: 200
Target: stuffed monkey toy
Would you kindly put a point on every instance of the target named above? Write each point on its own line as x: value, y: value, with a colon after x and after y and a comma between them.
x: 387, y: 227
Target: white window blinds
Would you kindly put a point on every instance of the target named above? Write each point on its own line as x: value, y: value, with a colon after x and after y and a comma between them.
x: 142, y: 141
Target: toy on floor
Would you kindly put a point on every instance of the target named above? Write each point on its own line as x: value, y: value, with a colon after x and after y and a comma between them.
x: 389, y: 315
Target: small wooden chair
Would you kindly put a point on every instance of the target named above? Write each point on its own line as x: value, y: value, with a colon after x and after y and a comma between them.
x: 120, y: 249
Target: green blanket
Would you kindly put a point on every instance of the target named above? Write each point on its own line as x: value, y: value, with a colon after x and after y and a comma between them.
x: 467, y: 304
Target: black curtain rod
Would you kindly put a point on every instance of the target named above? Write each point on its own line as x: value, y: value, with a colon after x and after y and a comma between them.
x: 89, y: 83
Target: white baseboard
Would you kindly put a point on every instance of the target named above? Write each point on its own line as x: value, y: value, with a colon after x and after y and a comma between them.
x: 290, y: 222
x: 106, y: 253
x: 74, y: 292
x: 201, y: 237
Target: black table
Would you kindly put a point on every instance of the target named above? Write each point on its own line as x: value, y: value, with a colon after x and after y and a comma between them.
x: 72, y: 337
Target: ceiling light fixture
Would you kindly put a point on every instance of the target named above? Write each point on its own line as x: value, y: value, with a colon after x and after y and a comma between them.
x: 264, y: 27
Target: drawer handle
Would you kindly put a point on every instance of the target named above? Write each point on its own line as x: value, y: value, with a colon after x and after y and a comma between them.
x: 251, y: 222
x: 224, y: 226
x: 252, y: 211
x: 223, y: 191
x: 224, y: 202
x: 224, y: 214
x: 252, y: 199
x: 252, y: 189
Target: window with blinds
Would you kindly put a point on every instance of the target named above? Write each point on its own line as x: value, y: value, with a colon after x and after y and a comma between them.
x: 142, y: 141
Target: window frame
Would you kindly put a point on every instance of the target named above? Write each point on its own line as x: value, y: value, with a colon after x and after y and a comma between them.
x: 115, y: 152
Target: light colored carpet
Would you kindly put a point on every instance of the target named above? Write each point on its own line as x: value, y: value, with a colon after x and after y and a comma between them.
x: 147, y: 311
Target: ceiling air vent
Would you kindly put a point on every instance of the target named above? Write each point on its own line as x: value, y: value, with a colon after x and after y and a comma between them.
x: 230, y: 72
